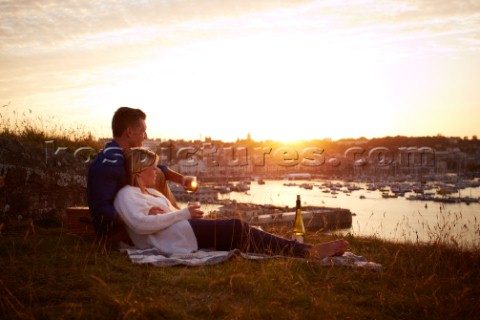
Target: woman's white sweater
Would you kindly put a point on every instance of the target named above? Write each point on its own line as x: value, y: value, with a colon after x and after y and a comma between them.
x: 170, y: 232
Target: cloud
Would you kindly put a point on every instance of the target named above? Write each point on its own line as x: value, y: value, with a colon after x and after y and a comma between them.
x: 50, y: 27
x: 31, y: 24
x: 37, y: 25
x: 49, y: 46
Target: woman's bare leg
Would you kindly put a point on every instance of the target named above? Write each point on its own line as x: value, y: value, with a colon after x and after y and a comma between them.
x: 328, y: 249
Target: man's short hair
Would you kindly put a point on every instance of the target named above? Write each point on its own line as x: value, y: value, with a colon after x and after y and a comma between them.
x: 126, y: 117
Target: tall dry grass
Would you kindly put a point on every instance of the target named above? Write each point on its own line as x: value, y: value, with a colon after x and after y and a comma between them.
x: 35, y: 129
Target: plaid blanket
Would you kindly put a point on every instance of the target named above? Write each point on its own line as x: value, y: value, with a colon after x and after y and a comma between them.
x: 205, y: 257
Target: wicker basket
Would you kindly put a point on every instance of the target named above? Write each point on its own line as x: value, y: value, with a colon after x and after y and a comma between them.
x: 77, y: 220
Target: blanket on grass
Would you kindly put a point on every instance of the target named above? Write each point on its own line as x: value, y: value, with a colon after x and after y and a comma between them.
x: 206, y: 257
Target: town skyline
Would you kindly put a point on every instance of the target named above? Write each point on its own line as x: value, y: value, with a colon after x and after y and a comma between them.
x: 391, y: 156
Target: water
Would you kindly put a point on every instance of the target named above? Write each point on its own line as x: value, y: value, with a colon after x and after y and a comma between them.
x: 395, y: 219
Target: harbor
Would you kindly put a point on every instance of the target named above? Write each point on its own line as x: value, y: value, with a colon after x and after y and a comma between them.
x: 412, y: 212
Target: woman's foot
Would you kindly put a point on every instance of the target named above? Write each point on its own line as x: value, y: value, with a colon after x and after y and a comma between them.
x: 328, y: 249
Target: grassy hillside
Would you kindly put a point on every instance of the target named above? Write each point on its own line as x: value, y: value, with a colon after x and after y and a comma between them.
x: 54, y: 275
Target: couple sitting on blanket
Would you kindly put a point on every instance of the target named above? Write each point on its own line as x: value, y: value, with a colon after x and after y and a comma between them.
x: 152, y: 220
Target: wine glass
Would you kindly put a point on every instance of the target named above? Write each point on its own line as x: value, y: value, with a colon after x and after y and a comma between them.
x: 191, y: 184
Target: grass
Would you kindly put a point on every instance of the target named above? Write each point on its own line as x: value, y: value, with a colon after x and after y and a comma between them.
x: 36, y: 130
x: 53, y: 275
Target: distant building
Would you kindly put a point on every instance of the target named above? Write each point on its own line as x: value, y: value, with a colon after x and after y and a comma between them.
x: 298, y: 176
x: 151, y: 144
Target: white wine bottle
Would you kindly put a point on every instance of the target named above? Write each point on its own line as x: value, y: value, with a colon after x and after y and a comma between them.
x: 298, y: 227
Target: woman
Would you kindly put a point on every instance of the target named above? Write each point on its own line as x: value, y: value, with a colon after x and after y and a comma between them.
x: 152, y: 221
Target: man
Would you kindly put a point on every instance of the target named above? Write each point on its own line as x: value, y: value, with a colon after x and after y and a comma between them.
x: 107, y: 175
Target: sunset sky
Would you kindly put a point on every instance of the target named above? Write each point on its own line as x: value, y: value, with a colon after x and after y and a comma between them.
x: 282, y: 70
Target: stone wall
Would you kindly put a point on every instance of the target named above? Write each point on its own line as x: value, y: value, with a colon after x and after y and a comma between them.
x: 37, y: 184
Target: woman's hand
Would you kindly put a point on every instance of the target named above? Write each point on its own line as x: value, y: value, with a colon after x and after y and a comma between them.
x: 155, y: 210
x: 195, y: 211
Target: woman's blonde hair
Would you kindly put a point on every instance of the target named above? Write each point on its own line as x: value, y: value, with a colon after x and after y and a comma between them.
x: 137, y: 160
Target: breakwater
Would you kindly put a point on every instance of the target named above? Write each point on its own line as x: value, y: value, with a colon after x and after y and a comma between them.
x: 314, y: 218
